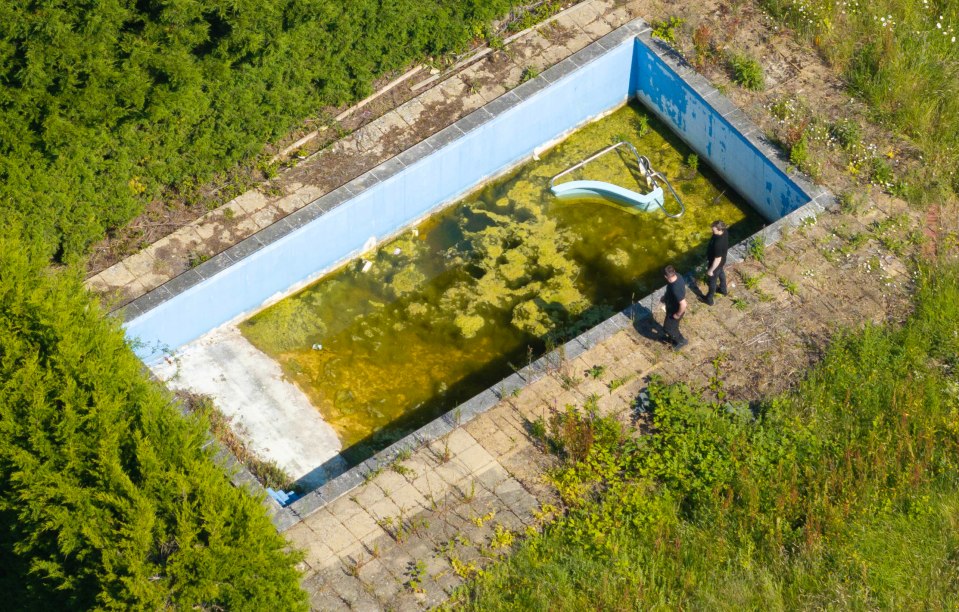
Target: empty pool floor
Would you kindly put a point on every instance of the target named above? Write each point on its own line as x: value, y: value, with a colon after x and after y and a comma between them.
x: 443, y: 506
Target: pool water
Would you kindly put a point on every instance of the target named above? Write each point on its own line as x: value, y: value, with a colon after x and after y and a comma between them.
x: 390, y: 341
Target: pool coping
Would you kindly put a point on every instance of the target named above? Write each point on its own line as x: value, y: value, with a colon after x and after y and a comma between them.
x: 285, y: 517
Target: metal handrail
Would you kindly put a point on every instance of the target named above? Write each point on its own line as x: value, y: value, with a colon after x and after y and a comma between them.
x: 682, y: 207
x: 644, y: 168
x: 597, y: 155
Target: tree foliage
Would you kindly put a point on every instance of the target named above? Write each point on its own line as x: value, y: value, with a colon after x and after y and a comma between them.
x: 108, y: 496
x: 104, y: 104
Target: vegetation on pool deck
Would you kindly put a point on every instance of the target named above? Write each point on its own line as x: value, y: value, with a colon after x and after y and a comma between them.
x: 842, y: 492
x: 887, y: 51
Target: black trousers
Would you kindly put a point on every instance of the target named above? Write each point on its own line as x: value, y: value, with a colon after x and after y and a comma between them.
x: 671, y: 326
x: 719, y: 275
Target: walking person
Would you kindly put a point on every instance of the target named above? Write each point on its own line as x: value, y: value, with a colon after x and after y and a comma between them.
x: 675, y: 300
x: 716, y: 261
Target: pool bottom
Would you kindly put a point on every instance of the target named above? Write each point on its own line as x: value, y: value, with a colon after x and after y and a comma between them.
x: 430, y: 319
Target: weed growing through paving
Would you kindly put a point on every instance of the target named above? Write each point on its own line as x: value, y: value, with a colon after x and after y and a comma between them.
x: 790, y: 286
x: 415, y: 574
x: 479, y: 521
x: 465, y: 570
x: 716, y: 380
x: 666, y: 30
x: 469, y: 496
x: 746, y: 71
x: 195, y: 258
x: 502, y: 538
x: 757, y: 248
x: 529, y: 73
x: 402, y: 470
x: 704, y: 48
x: 596, y: 372
x: 750, y: 282
x: 372, y: 473
x: 537, y: 429
x: 616, y: 383
x: 567, y: 381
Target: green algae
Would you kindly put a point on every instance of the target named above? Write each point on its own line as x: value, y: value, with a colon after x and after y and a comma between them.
x: 450, y: 307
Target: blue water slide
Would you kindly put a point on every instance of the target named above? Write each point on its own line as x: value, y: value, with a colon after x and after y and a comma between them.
x: 614, y: 193
x: 608, y: 191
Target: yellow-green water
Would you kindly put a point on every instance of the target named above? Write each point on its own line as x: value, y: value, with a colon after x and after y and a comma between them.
x: 452, y: 306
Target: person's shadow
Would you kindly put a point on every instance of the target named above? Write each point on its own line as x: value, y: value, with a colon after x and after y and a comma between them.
x: 692, y: 284
x: 646, y: 324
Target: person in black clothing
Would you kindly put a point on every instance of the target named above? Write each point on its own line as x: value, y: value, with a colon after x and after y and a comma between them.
x: 675, y: 299
x: 715, y: 260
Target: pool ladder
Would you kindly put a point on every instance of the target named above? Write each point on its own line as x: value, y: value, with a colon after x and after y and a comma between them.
x: 607, y: 190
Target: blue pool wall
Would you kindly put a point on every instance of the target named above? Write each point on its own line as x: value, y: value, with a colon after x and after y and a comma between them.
x: 505, y: 132
x: 765, y: 186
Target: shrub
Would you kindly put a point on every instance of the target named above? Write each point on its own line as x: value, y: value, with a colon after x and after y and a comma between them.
x: 109, y: 498
x: 747, y: 72
x: 666, y: 30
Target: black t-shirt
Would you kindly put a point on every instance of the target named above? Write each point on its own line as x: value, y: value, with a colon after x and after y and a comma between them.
x: 718, y: 247
x: 675, y: 293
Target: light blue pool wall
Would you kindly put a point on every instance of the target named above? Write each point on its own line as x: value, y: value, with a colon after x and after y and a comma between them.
x: 485, y: 143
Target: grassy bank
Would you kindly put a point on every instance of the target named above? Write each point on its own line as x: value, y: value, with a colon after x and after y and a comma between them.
x: 902, y: 58
x: 842, y: 493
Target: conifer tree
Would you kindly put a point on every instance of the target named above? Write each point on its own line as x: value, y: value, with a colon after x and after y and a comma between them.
x: 109, y: 497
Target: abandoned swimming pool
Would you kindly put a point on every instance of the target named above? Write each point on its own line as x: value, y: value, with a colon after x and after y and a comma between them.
x: 205, y: 304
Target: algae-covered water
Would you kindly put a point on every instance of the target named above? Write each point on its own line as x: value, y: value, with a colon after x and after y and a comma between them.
x: 453, y: 305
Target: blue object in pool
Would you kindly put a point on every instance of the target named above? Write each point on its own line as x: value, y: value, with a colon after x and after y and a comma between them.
x: 282, y: 497
x: 608, y: 191
x: 620, y: 195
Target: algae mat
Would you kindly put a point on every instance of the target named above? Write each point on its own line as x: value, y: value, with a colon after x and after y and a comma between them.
x: 486, y: 285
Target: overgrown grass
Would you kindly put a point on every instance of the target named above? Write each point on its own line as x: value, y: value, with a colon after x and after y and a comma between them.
x: 889, y: 51
x: 842, y: 493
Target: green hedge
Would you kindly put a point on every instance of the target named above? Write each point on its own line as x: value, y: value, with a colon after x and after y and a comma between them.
x: 105, y: 104
x: 841, y: 494
x: 107, y: 496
